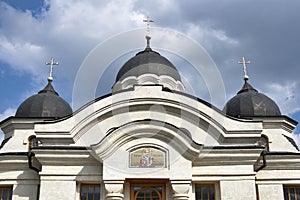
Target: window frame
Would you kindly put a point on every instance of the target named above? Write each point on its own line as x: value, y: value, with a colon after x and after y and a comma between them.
x: 91, y: 184
x: 206, y: 184
x: 32, y: 142
x: 294, y: 187
x: 6, y: 188
x: 262, y: 143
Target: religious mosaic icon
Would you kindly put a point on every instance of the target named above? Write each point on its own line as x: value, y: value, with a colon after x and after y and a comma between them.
x: 147, y: 157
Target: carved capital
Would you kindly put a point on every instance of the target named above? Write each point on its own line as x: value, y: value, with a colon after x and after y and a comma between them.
x: 181, y: 189
x: 114, y: 189
x: 114, y: 196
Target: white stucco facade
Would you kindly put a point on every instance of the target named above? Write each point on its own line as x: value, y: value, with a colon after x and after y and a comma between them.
x: 194, y: 142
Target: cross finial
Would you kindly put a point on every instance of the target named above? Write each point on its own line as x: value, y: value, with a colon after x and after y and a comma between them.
x: 148, y: 21
x: 51, y: 63
x: 148, y: 36
x: 243, y: 62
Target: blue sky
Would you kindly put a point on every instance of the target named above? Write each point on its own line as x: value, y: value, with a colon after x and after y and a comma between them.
x: 265, y: 32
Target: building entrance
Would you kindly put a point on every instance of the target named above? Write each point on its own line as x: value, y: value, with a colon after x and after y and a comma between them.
x: 148, y: 190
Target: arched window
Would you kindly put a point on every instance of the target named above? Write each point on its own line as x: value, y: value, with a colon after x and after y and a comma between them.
x: 264, y: 142
x: 32, y: 142
x: 148, y: 190
x: 148, y: 193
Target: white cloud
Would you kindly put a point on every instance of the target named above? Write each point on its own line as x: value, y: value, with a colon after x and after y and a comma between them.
x: 90, y: 19
x: 285, y: 95
x: 24, y: 51
x: 70, y: 29
x: 209, y: 37
x: 7, y: 113
x: 66, y: 31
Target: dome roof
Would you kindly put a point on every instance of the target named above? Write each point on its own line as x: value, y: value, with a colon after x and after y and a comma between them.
x: 148, y: 62
x: 46, y: 103
x: 250, y: 103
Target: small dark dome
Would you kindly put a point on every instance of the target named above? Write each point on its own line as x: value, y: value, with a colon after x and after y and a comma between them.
x: 250, y: 103
x: 148, y: 62
x: 46, y: 103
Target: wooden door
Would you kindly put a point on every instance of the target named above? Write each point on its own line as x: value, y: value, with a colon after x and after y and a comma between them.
x: 148, y: 190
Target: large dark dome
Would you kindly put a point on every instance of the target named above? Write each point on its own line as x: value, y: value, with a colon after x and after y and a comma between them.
x: 148, y: 62
x: 46, y: 103
x: 250, y: 103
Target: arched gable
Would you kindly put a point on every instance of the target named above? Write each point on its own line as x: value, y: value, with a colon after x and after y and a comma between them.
x: 205, y: 124
x: 169, y: 134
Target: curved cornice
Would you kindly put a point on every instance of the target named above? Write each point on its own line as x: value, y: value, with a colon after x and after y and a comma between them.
x: 167, y: 133
x: 152, y: 102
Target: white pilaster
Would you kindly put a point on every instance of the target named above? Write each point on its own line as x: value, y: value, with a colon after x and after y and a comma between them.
x: 238, y: 189
x: 53, y: 190
x: 114, y: 189
x: 181, y: 189
x: 270, y: 191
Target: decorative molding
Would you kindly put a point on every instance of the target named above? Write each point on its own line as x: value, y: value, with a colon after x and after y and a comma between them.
x: 178, y: 139
x: 146, y: 79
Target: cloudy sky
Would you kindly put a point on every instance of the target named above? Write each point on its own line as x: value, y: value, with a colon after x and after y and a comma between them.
x: 265, y: 32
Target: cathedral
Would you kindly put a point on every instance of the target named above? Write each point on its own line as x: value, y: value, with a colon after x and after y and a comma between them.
x: 149, y: 140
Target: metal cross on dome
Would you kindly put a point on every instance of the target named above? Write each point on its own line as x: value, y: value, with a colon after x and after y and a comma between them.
x: 243, y: 62
x: 51, y: 63
x: 148, y: 21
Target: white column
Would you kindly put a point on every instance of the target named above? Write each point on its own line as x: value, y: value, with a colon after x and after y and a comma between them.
x: 238, y: 189
x: 54, y: 190
x: 181, y: 189
x: 270, y: 191
x: 114, y: 189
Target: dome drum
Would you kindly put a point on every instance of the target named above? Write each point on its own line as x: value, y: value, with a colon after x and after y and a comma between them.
x: 145, y: 68
x: 149, y: 79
